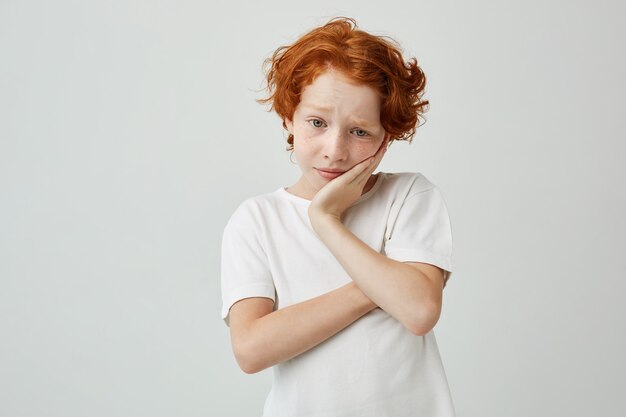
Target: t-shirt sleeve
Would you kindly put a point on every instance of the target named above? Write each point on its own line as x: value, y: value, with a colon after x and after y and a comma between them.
x: 422, y: 231
x: 244, y: 265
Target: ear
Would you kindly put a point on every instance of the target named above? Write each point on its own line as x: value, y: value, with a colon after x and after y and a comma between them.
x: 289, y: 125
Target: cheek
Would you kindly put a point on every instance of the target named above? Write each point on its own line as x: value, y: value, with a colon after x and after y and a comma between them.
x: 303, y: 149
x: 302, y: 133
x: 307, y: 133
x: 364, y: 150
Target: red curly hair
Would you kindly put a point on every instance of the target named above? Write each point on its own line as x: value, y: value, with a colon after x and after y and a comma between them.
x: 366, y: 59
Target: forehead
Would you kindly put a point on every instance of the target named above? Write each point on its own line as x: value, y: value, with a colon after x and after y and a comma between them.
x: 332, y: 92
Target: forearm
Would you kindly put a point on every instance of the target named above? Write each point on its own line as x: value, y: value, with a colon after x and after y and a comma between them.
x: 399, y: 289
x: 290, y: 331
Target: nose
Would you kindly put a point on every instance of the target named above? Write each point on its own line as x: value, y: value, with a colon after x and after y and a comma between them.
x: 335, y: 146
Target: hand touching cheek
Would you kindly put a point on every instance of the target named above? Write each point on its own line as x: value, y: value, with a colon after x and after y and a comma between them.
x: 340, y: 193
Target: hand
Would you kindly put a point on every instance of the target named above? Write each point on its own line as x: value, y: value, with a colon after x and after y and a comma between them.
x: 341, y: 192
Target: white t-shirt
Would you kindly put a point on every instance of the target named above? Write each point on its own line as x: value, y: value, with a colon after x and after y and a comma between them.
x: 375, y: 367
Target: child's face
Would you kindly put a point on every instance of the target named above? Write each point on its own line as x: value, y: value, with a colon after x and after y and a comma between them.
x: 335, y: 126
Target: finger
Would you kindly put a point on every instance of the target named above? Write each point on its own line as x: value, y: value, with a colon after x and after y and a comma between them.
x: 374, y: 161
x: 362, y: 175
x: 365, y: 175
x: 359, y: 171
x: 384, y: 146
x: 381, y: 149
x: 378, y: 156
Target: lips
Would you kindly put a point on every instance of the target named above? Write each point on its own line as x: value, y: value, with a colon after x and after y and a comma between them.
x: 329, y: 173
x: 330, y: 170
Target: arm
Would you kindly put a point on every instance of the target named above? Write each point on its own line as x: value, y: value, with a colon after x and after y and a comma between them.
x: 261, y: 338
x: 412, y: 293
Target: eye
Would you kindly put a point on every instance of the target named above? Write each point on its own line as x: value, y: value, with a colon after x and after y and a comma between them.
x: 318, y: 121
x: 362, y: 131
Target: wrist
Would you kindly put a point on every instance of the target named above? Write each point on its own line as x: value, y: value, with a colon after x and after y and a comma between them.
x: 361, y: 299
x: 322, y: 221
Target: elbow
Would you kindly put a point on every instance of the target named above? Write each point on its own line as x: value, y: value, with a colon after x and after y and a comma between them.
x: 420, y: 330
x: 246, y: 365
x: 250, y: 368
x: 247, y: 360
x: 425, y: 320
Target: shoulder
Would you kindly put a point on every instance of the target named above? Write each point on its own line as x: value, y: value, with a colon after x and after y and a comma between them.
x: 408, y: 183
x: 257, y: 203
x: 256, y: 210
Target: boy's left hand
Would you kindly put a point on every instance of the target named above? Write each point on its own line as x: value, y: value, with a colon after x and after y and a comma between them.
x: 341, y: 192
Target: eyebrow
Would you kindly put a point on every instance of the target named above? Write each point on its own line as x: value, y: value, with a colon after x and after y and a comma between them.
x: 327, y: 109
x: 314, y: 107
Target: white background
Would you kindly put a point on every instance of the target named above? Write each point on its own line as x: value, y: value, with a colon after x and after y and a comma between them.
x: 129, y: 133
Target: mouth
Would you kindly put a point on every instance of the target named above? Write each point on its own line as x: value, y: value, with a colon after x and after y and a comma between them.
x: 329, y: 173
